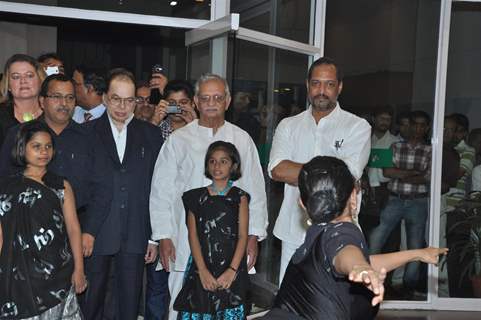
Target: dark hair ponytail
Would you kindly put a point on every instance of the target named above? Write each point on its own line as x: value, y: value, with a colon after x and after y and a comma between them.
x: 325, y: 184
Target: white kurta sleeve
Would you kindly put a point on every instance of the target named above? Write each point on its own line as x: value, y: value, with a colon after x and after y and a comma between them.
x: 280, y: 147
x: 163, y: 193
x: 254, y: 183
x: 358, y: 148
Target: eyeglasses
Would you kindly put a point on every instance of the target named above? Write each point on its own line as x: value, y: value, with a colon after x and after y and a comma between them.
x: 18, y: 76
x: 117, y: 101
x: 216, y: 98
x: 58, y: 98
x: 181, y: 102
x: 142, y: 100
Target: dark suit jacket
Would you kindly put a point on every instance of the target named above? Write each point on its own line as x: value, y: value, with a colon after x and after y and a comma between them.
x: 118, y: 212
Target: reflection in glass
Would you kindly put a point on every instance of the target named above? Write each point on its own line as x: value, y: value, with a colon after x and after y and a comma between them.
x: 100, y: 45
x: 387, y: 49
x: 461, y: 202
x: 199, y: 60
x: 267, y: 85
x: 288, y: 19
x: 183, y: 9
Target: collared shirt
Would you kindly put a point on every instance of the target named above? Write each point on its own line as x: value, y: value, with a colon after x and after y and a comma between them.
x: 407, y: 156
x: 467, y: 156
x: 340, y: 134
x: 180, y: 167
x: 120, y: 136
x: 97, y: 112
x: 166, y: 128
x: 375, y: 174
x: 476, y: 179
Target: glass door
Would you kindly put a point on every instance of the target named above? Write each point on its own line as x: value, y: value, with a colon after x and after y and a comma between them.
x: 266, y: 65
x: 458, y: 283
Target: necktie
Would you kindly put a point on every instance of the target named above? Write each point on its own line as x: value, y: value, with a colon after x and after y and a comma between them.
x: 87, y: 116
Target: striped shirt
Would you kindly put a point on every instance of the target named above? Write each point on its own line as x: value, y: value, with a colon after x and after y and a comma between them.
x: 166, y: 128
x: 410, y: 157
x: 467, y: 157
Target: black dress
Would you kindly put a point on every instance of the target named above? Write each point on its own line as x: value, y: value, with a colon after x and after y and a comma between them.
x: 312, y: 289
x: 36, y: 262
x: 217, y: 222
x: 7, y: 119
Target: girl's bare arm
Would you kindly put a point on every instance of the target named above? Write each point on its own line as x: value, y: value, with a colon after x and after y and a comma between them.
x: 75, y: 238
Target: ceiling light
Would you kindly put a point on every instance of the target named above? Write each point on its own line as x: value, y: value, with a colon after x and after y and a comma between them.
x: 173, y: 3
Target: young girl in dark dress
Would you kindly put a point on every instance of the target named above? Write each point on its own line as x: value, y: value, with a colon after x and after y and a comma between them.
x: 41, y: 263
x: 331, y: 276
x: 217, y: 219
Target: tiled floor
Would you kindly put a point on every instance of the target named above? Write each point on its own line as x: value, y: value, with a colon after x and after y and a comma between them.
x: 427, y: 315
x: 420, y: 315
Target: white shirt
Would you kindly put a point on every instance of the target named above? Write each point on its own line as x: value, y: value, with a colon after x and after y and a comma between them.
x: 120, y: 136
x: 180, y: 167
x: 375, y: 174
x: 476, y: 179
x: 97, y: 112
x: 340, y: 134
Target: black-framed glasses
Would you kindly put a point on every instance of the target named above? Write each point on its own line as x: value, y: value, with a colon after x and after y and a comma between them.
x: 59, y: 98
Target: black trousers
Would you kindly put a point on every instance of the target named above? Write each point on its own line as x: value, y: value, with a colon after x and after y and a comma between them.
x: 127, y: 286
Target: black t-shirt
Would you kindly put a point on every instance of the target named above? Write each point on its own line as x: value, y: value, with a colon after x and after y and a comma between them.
x: 311, y: 288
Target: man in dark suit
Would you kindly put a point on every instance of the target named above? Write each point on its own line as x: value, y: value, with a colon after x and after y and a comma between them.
x: 116, y: 229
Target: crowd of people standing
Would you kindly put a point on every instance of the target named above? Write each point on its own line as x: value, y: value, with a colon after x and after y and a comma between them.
x: 124, y: 176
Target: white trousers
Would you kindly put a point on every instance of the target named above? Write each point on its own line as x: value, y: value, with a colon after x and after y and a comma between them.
x: 176, y: 279
x: 288, y: 250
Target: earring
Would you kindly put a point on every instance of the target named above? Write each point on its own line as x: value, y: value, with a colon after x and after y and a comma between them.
x: 309, y: 222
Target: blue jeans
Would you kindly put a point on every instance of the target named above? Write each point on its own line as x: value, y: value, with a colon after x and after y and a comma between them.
x: 415, y: 213
x: 156, y: 293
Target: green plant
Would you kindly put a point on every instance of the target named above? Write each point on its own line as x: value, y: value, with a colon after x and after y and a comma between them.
x: 468, y: 247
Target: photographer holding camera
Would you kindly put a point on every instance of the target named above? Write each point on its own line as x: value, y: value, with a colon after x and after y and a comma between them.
x: 176, y: 109
x: 170, y: 113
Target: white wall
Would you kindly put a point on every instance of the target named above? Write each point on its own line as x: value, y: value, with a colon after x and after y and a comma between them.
x: 26, y: 38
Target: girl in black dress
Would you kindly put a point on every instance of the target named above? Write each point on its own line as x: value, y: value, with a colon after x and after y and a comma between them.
x: 217, y: 218
x: 331, y: 276
x: 41, y: 264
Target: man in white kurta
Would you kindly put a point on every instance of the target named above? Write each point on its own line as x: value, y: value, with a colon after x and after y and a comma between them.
x: 180, y: 167
x: 324, y: 129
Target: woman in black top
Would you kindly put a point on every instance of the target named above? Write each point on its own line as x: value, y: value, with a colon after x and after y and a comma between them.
x: 331, y: 276
x: 41, y: 263
x: 19, y: 92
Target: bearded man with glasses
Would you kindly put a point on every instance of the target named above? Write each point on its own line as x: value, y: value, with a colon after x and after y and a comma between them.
x: 180, y: 167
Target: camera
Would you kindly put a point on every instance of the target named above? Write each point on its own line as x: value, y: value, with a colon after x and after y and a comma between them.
x: 158, y: 69
x: 173, y: 109
x: 52, y: 70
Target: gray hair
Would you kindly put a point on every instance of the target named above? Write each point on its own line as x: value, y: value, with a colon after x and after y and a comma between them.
x: 210, y: 77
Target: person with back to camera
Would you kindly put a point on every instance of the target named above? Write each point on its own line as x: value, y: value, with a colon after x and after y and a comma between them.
x: 41, y: 263
x: 217, y: 218
x: 332, y: 276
